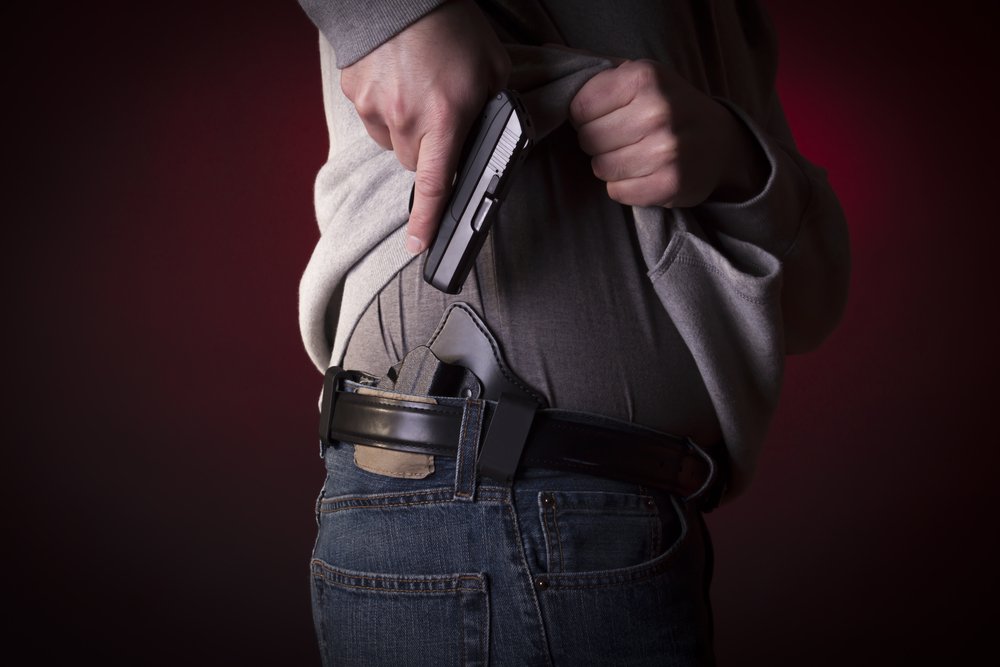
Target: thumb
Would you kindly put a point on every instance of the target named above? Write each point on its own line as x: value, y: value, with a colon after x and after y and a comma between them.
x: 437, y: 159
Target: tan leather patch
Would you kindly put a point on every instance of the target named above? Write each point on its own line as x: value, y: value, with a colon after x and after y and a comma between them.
x: 389, y: 462
x: 393, y: 463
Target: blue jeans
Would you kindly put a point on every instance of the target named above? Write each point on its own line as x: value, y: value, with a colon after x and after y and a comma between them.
x: 458, y: 569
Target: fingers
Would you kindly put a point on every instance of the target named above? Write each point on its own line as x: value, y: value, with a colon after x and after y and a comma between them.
x: 624, y: 126
x: 602, y: 94
x: 428, y: 140
x: 637, y: 160
x: 630, y: 120
x: 394, y: 138
x: 418, y: 94
x: 612, y: 89
x: 662, y: 187
x: 659, y: 188
x: 436, y: 163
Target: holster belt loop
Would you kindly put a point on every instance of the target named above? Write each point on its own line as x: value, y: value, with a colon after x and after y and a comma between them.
x: 331, y: 383
x: 508, y: 431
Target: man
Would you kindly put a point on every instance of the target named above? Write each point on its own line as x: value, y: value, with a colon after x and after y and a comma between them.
x: 662, y: 249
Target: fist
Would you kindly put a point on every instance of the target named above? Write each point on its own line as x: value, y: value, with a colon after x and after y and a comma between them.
x: 656, y: 140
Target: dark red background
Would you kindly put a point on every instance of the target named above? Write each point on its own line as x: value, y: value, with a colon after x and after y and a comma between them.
x: 161, y: 458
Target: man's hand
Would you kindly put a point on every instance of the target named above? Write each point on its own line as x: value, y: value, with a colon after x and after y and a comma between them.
x: 418, y: 95
x: 659, y: 141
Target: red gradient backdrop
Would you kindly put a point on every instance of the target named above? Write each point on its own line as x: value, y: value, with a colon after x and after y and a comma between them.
x: 161, y: 459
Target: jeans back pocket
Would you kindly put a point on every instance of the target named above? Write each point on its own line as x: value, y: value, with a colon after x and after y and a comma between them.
x: 368, y: 619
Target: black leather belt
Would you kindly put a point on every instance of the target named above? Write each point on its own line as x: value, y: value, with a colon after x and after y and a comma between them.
x: 543, y: 438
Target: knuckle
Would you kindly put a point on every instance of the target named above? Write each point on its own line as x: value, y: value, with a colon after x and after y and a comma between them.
x: 657, y: 118
x: 404, y: 147
x: 366, y: 106
x: 617, y: 192
x: 665, y: 149
x: 642, y: 72
x: 399, y: 113
x: 578, y: 105
x: 582, y: 105
x: 430, y: 183
x: 608, y: 169
x: 597, y: 166
x: 666, y: 185
x: 441, y: 110
x: 654, y: 190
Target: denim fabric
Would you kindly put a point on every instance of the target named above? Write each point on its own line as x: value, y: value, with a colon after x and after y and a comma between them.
x: 458, y: 569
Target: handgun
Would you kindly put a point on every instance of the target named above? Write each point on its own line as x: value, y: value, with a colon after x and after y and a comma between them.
x: 494, y: 148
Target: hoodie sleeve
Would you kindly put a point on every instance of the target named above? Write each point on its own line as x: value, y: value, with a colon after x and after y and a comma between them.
x: 355, y: 28
x: 798, y: 219
x: 750, y: 282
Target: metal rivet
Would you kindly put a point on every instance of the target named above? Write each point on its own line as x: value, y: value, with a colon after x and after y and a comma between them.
x: 548, y: 500
x: 542, y: 583
x: 467, y: 392
x: 650, y: 503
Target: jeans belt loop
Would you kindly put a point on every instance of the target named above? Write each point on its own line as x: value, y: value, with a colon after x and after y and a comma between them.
x: 470, y: 435
x: 711, y: 491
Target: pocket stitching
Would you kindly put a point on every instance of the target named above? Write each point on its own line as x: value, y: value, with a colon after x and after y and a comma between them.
x: 555, y: 523
x: 460, y: 589
x: 332, y: 575
x: 580, y: 503
x: 625, y: 575
x: 389, y: 500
